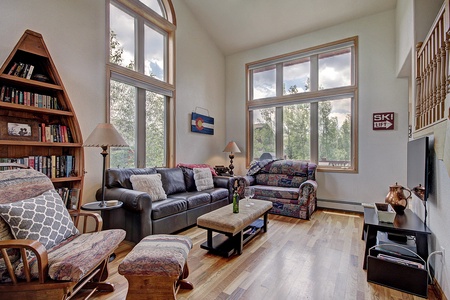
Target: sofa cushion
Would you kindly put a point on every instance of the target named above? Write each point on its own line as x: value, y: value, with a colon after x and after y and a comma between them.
x: 168, y: 207
x: 218, y: 194
x: 43, y: 218
x: 265, y: 192
x: 280, y: 180
x: 192, y: 166
x: 121, y: 177
x: 193, y: 199
x: 189, y: 179
x: 151, y: 184
x: 203, y: 179
x: 172, y: 180
x: 75, y: 257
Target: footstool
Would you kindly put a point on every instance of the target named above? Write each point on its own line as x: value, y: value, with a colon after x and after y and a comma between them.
x: 157, y: 267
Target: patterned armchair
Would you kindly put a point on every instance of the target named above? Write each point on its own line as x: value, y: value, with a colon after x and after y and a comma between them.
x: 289, y: 184
x: 43, y: 255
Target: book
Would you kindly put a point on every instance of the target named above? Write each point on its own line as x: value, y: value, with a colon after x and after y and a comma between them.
x: 13, y: 69
x: 74, y: 198
x: 401, y: 261
x: 19, y: 69
x: 30, y: 72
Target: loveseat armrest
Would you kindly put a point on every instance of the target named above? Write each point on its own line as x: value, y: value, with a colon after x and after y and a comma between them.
x: 85, y: 218
x: 307, y: 187
x: 132, y: 200
x: 34, y: 246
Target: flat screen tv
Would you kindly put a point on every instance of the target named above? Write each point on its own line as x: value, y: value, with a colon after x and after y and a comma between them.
x: 419, y: 166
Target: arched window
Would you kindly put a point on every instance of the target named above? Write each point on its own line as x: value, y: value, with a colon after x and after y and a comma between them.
x: 141, y: 85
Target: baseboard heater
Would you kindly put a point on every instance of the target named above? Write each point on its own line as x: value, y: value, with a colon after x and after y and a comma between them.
x: 339, y: 204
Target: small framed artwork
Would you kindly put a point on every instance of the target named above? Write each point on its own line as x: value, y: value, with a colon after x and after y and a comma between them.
x: 202, y: 124
x: 18, y: 129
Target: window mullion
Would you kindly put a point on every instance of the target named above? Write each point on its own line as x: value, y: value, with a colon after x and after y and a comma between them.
x: 140, y: 134
x: 279, y: 113
x: 140, y: 33
x: 314, y: 110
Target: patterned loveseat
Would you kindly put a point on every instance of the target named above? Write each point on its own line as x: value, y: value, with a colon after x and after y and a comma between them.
x: 289, y: 184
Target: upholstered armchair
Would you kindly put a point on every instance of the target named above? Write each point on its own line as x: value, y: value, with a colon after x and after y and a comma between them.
x: 43, y: 253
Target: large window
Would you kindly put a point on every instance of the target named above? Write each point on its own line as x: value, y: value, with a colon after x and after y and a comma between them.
x: 141, y: 81
x: 302, y: 106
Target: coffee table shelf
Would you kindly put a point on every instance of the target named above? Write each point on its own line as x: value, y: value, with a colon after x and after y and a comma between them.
x: 225, y: 245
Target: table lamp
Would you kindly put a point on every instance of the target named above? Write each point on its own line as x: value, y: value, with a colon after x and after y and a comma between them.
x: 104, y: 135
x: 232, y: 148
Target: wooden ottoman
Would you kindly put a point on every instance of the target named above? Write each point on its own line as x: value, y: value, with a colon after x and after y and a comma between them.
x: 157, y: 267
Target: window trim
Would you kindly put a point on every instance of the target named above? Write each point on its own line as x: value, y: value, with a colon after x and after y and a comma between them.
x: 137, y: 77
x: 313, y: 96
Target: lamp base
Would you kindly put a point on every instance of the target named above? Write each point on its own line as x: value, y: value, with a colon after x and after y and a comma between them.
x: 231, y: 167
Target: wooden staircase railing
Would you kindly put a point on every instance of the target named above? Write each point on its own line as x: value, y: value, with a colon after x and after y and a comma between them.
x: 432, y: 80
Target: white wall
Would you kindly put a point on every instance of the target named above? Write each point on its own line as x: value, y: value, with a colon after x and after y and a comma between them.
x: 382, y: 160
x: 74, y: 32
x: 200, y: 83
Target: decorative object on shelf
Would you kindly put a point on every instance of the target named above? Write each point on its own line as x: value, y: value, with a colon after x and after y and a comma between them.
x: 232, y: 148
x: 104, y: 135
x: 202, y: 123
x: 385, y: 212
x: 396, y: 198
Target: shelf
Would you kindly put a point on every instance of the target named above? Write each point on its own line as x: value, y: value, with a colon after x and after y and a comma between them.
x: 38, y: 144
x: 30, y: 83
x: 65, y: 179
x: 32, y: 109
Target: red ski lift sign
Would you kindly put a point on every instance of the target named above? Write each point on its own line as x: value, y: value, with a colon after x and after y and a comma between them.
x: 383, y: 121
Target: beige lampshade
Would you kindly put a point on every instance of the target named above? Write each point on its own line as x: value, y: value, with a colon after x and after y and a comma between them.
x: 232, y: 147
x: 105, y: 134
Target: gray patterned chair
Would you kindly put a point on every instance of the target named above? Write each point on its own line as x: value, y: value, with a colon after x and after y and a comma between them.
x: 43, y: 254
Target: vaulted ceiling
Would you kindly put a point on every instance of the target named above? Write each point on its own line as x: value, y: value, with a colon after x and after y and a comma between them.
x: 237, y: 25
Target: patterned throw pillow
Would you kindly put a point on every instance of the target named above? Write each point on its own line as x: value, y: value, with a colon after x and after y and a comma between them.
x: 43, y: 218
x: 150, y: 184
x: 203, y: 179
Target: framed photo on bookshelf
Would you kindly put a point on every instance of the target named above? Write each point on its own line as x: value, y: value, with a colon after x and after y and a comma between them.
x: 18, y: 129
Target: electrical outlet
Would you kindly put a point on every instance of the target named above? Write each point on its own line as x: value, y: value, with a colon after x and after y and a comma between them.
x: 443, y: 253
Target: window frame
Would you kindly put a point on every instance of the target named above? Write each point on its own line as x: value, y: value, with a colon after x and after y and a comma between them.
x: 144, y: 16
x: 313, y: 96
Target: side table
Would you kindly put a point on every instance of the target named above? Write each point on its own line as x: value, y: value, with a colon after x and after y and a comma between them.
x: 95, y: 206
x: 407, y: 223
x: 92, y: 206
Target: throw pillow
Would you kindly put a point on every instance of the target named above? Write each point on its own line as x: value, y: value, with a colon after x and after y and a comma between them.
x: 203, y: 179
x: 43, y: 218
x: 150, y: 184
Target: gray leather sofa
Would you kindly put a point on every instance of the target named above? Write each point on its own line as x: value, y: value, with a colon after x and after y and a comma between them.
x: 140, y: 217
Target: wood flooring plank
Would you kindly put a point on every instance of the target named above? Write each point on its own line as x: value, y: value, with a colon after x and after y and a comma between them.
x: 295, y: 260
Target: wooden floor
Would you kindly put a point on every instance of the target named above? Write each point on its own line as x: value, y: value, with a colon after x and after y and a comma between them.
x: 296, y: 259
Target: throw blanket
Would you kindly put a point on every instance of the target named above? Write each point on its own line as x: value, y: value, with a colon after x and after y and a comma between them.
x: 257, y: 165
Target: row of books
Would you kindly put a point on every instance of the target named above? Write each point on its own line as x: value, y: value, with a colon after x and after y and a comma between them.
x: 70, y: 197
x: 13, y: 95
x: 55, y: 133
x: 21, y: 70
x: 401, y: 261
x: 54, y: 166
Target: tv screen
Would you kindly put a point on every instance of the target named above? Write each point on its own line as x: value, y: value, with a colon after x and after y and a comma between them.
x: 419, y: 166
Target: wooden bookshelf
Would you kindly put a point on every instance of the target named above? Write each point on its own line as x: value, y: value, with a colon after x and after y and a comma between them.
x: 28, y: 111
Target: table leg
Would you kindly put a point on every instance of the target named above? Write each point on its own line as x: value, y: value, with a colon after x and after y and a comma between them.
x: 265, y: 222
x: 422, y: 245
x: 239, y: 242
x: 209, y: 239
x: 371, y: 240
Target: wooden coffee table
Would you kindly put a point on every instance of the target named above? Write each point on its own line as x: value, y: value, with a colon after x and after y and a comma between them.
x: 234, y: 230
